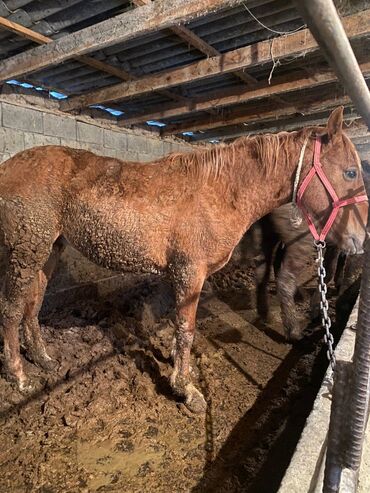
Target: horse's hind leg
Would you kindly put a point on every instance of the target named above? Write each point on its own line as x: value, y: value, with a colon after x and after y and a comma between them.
x: 187, y: 297
x: 27, y: 257
x: 35, y: 346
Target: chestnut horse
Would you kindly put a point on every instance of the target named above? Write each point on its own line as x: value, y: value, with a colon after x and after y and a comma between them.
x: 181, y: 217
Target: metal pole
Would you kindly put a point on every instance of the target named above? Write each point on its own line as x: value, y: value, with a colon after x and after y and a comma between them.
x: 323, y: 20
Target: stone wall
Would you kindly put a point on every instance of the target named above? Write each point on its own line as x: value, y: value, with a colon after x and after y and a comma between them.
x: 23, y: 127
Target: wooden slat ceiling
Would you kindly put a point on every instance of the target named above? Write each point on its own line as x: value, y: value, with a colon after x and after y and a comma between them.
x: 201, y: 70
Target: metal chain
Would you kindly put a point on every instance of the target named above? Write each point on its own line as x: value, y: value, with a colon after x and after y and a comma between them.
x: 324, y: 305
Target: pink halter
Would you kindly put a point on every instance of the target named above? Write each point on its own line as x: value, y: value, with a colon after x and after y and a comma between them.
x: 336, y: 204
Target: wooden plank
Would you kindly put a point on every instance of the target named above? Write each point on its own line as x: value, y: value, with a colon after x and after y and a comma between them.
x: 143, y: 20
x: 297, y: 44
x: 281, y: 85
x: 184, y: 33
x: 208, y: 50
x: 273, y: 126
x: 86, y: 60
x: 254, y: 115
x: 358, y: 129
x: 24, y: 31
x: 194, y: 40
x: 362, y: 139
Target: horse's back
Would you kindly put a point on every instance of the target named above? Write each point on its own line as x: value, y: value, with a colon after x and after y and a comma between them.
x: 36, y: 171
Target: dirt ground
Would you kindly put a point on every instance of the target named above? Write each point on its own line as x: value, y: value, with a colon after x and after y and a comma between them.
x: 106, y: 420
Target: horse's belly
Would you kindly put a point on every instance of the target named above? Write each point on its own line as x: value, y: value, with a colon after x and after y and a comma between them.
x: 118, y: 245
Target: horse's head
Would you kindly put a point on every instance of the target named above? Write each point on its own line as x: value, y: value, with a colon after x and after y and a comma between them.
x: 342, y: 166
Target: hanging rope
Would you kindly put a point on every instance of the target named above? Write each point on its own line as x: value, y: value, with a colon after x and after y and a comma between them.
x: 269, y: 28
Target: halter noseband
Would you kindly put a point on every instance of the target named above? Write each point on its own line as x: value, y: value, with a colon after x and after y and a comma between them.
x: 336, y: 204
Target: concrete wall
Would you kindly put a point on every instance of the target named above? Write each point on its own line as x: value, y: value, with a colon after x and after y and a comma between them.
x: 23, y: 126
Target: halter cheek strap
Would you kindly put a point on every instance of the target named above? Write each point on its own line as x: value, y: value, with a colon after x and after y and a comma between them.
x: 336, y: 204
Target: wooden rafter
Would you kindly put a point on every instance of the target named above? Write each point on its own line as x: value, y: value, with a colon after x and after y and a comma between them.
x: 281, y: 85
x: 40, y: 39
x: 273, y: 126
x: 248, y: 116
x: 86, y: 60
x: 194, y: 40
x: 140, y: 21
x: 297, y: 44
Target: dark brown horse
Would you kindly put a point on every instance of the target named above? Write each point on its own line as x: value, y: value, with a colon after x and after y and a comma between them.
x: 180, y: 216
x: 288, y: 249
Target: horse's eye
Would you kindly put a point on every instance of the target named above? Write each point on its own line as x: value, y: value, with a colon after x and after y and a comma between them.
x: 350, y: 174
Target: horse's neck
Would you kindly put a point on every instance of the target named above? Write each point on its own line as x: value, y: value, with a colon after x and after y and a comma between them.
x: 263, y: 192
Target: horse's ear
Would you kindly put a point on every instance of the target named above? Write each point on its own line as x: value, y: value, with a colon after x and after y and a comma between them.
x: 335, y: 123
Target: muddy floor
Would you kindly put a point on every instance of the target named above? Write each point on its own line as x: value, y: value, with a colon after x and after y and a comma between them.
x: 106, y: 420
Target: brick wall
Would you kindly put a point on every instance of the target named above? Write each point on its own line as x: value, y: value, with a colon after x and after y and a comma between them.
x: 23, y: 126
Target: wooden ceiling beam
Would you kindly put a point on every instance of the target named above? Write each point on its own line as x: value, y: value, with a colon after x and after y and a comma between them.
x: 27, y: 33
x: 281, y: 85
x: 297, y: 44
x: 194, y: 40
x: 251, y: 116
x: 138, y: 22
x: 86, y: 60
x: 274, y: 126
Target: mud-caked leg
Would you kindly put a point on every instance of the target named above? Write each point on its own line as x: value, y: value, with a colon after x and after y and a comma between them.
x: 286, y: 289
x: 187, y: 297
x: 11, y: 318
x: 269, y: 241
x: 28, y: 256
x: 35, y: 346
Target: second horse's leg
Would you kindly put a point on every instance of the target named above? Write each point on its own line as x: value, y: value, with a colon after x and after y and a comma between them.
x: 269, y: 240
x: 286, y: 288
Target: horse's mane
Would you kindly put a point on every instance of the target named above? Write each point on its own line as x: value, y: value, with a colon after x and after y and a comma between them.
x: 268, y: 150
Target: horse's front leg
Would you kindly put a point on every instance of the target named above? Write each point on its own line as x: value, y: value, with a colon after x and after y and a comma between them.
x: 286, y: 284
x: 187, y: 296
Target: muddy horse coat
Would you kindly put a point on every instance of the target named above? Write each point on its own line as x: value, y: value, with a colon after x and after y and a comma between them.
x: 181, y: 216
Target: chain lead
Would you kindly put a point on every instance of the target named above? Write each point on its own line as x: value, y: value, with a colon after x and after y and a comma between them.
x: 324, y: 306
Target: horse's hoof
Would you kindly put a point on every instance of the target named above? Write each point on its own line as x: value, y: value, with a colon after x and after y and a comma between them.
x: 293, y: 335
x: 47, y: 363
x: 43, y: 360
x: 26, y: 386
x: 195, y: 401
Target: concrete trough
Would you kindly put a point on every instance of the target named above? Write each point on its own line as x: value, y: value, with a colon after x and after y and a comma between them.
x: 306, y: 470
